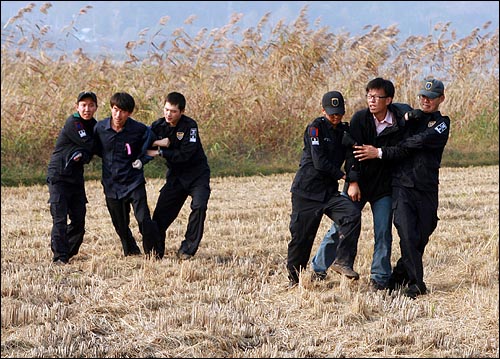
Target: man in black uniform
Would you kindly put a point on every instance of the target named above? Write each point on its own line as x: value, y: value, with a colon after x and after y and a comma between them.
x: 65, y: 179
x: 122, y: 143
x: 315, y: 192
x: 415, y: 184
x: 188, y: 173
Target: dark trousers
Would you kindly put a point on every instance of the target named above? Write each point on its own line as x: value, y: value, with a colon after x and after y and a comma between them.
x: 304, y: 223
x: 170, y: 201
x: 119, y: 210
x: 415, y: 218
x: 67, y: 200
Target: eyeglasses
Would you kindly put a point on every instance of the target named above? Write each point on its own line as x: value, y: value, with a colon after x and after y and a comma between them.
x: 376, y: 98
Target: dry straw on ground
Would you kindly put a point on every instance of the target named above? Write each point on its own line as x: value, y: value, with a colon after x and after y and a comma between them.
x: 231, y: 299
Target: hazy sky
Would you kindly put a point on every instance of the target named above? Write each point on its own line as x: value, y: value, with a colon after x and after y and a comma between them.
x: 118, y: 21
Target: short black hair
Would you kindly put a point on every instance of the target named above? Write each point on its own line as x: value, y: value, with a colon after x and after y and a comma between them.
x: 380, y: 83
x: 123, y: 101
x: 176, y: 98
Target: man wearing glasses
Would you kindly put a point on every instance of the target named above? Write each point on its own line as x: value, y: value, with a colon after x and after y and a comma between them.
x: 415, y: 184
x: 379, y: 125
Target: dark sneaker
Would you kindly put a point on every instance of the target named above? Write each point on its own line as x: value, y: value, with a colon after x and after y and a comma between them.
x: 375, y: 286
x: 183, y: 255
x: 395, y: 283
x: 292, y: 284
x: 133, y: 252
x: 413, y: 291
x: 345, y: 270
x: 318, y: 276
x: 60, y: 263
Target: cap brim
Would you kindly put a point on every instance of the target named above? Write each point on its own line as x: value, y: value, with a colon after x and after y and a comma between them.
x: 334, y: 111
x: 429, y: 94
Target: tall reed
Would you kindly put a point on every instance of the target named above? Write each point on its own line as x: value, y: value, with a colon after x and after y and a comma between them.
x: 252, y: 90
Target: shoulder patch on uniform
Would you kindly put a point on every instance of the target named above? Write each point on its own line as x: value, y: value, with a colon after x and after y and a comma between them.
x: 192, y: 134
x: 314, y: 135
x: 80, y: 129
x: 179, y: 135
x: 441, y: 127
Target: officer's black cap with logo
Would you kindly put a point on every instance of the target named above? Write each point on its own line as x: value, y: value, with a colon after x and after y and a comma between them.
x: 333, y: 103
x: 432, y: 88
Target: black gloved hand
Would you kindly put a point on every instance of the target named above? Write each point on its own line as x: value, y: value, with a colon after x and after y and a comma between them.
x: 347, y: 139
x: 415, y: 115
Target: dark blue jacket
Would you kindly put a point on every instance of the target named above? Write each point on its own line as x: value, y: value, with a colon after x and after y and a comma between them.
x: 118, y: 151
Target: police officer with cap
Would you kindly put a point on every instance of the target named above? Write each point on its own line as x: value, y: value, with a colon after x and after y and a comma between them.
x: 65, y: 179
x: 315, y: 191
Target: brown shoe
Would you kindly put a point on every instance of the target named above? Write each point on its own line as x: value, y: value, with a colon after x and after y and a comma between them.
x: 345, y: 270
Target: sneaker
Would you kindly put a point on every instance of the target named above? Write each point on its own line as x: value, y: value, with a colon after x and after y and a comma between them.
x: 318, y: 276
x: 345, y: 270
x: 59, y: 263
x: 292, y: 284
x: 183, y: 255
x: 374, y: 286
x: 394, y: 285
x: 134, y: 252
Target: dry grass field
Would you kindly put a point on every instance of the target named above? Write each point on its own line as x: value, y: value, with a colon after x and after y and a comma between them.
x: 231, y: 299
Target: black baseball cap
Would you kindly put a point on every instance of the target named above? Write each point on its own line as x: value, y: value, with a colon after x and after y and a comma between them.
x: 432, y: 88
x: 333, y: 103
x: 85, y: 94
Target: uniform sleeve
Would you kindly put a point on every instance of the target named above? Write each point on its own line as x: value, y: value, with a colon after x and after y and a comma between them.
x: 81, y: 141
x: 97, y: 147
x: 76, y: 132
x: 188, y: 147
x: 349, y: 168
x: 319, y: 155
x: 352, y: 164
x: 435, y: 136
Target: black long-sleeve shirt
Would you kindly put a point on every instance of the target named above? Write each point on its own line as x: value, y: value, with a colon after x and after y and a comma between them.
x: 418, y: 156
x: 322, y: 158
x: 185, y: 157
x: 76, y: 136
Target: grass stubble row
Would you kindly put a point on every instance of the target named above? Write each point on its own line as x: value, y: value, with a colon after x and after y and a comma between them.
x: 231, y: 299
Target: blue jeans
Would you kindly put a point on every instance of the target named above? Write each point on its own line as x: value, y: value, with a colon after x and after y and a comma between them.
x: 327, y: 251
x: 382, y: 226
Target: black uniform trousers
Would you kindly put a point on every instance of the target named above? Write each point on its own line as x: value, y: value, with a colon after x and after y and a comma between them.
x: 170, y: 201
x: 304, y: 223
x: 415, y: 218
x: 119, y: 210
x: 67, y: 200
